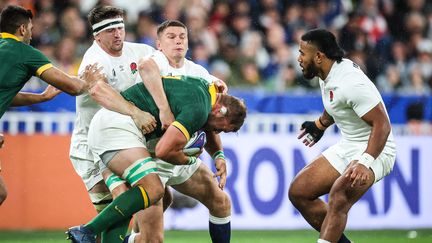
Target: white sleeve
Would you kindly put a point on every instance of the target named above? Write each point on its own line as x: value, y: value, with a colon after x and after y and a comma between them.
x: 161, y: 61
x: 213, y: 78
x: 91, y: 57
x: 200, y: 71
x: 142, y: 50
x: 361, y: 94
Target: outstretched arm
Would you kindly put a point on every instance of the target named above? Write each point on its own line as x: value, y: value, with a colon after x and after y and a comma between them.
x: 25, y: 98
x: 71, y: 84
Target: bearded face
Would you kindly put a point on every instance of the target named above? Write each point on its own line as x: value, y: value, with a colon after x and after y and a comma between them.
x: 306, y: 57
x: 310, y: 70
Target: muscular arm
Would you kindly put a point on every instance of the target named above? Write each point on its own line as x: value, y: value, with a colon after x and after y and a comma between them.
x: 61, y: 80
x: 170, y: 147
x: 377, y: 119
x: 24, y: 98
x: 359, y: 173
x: 150, y: 74
x: 108, y: 97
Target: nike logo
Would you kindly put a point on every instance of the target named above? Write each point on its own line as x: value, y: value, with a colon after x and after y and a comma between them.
x: 119, y: 210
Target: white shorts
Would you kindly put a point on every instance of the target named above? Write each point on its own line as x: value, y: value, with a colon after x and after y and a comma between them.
x: 113, y: 131
x: 342, y: 153
x: 85, y: 166
x: 175, y: 174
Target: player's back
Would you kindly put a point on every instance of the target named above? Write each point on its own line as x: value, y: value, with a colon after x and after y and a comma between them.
x: 185, y: 94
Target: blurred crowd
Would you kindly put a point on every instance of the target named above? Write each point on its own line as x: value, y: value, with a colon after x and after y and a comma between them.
x: 252, y: 44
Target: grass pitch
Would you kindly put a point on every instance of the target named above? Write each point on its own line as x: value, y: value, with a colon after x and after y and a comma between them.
x: 258, y: 236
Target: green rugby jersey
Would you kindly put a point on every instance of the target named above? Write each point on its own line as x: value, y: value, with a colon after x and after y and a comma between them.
x: 190, y: 99
x: 19, y: 62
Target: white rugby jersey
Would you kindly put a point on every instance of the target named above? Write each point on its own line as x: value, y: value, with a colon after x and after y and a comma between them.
x: 189, y: 68
x: 122, y: 72
x: 348, y: 94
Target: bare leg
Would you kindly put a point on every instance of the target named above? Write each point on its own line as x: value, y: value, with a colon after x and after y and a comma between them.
x: 342, y: 197
x: 150, y: 223
x: 313, y: 181
x: 203, y: 187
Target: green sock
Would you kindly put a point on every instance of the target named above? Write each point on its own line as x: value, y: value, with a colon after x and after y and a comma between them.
x: 122, y: 208
x: 116, y: 233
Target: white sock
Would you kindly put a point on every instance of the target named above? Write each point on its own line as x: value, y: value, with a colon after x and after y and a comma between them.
x: 217, y: 220
x: 132, y: 237
x: 322, y: 241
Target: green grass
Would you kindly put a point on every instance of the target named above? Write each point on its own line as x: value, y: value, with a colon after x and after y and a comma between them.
x: 258, y: 236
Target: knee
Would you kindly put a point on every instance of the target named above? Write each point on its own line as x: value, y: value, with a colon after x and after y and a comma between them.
x: 295, y: 194
x: 338, y: 200
x: 220, y: 203
x: 156, y: 193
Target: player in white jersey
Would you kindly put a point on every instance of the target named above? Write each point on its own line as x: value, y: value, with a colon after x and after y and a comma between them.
x: 119, y: 60
x: 199, y: 182
x: 366, y: 152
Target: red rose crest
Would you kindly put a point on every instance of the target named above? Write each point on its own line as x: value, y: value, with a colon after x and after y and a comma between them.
x: 133, y: 67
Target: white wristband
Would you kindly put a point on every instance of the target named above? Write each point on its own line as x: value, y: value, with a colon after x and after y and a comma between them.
x: 366, y: 160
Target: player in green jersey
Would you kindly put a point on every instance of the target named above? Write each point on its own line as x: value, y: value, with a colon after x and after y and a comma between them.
x: 20, y: 62
x: 120, y: 145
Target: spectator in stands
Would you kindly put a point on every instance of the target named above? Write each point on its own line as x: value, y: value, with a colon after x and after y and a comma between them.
x: 417, y: 84
x: 371, y: 21
x: 146, y: 28
x: 252, y: 47
x: 364, y: 37
x: 220, y: 69
x: 65, y: 55
x: 423, y: 59
x: 199, y: 34
x: 390, y: 81
x: 415, y: 119
x: 219, y: 17
x: 399, y: 58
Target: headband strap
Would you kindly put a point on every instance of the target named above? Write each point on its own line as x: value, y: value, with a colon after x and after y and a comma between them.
x: 107, y: 24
